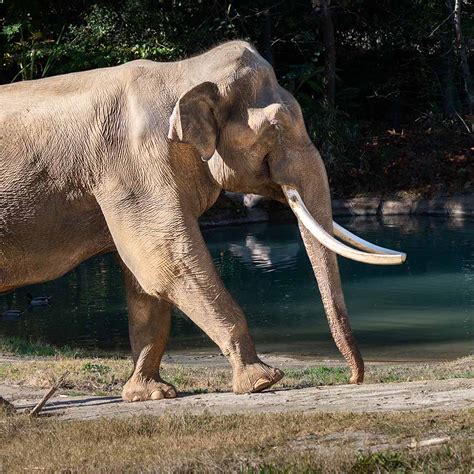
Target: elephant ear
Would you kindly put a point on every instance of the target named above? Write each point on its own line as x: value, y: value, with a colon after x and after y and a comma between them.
x: 193, y: 120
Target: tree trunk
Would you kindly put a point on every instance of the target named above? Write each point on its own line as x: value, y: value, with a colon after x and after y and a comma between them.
x: 461, y: 49
x: 327, y: 29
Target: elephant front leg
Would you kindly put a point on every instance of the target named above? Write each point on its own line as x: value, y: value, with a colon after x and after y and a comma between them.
x: 149, y: 320
x: 213, y: 309
x: 199, y: 292
x: 169, y: 258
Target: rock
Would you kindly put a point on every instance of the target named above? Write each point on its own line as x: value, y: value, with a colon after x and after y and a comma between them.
x: 252, y: 200
x: 359, y: 206
x: 396, y: 206
x: 237, y: 208
x: 247, y: 200
x: 455, y: 206
x: 461, y: 205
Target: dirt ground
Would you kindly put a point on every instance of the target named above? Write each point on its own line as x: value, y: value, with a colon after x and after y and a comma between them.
x: 437, y: 386
x: 408, y: 417
x: 449, y: 395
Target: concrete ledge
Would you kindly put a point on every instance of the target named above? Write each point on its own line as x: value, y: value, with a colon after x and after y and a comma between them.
x: 360, y: 206
x: 260, y: 210
x: 393, y: 207
x: 460, y: 205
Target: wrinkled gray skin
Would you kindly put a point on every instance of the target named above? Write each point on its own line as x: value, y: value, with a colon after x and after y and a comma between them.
x: 115, y: 160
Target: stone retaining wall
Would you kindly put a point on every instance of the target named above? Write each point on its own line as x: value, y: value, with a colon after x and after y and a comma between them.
x: 461, y: 205
x: 261, y: 210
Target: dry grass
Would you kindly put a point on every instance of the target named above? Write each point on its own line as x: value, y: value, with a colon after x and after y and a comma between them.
x: 257, y: 443
x: 291, y: 442
x: 107, y: 375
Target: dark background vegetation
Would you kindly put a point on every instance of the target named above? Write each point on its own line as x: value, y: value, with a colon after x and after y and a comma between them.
x: 385, y: 85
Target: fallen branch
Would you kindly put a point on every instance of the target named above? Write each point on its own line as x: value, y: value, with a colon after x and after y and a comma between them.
x: 463, y: 122
x: 36, y: 410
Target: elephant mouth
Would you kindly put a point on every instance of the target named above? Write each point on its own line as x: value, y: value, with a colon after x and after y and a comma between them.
x: 367, y: 253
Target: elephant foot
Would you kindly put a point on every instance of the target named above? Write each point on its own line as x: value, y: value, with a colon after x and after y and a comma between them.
x: 255, y: 378
x: 357, y: 371
x: 140, y: 388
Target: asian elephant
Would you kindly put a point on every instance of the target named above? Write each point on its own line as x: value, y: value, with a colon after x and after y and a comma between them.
x: 127, y: 158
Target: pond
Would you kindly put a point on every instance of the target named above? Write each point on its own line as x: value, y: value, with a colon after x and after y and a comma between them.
x: 422, y: 310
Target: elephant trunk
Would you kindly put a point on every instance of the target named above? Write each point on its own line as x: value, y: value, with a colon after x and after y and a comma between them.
x: 326, y: 270
x: 301, y: 175
x: 316, y: 197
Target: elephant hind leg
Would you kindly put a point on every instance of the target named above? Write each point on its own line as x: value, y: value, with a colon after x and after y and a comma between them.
x: 149, y: 320
x: 143, y: 385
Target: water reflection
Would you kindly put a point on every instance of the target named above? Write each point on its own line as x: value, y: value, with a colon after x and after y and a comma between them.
x: 263, y: 255
x: 421, y: 310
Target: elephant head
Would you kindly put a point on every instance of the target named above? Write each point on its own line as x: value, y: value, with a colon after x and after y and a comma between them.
x: 250, y: 132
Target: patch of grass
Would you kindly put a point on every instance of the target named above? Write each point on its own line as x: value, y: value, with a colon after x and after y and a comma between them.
x: 314, y: 376
x: 100, y: 369
x: 93, y: 376
x: 386, y: 461
x: 438, y: 459
x: 108, y: 375
x: 459, y: 368
x: 293, y: 442
x: 20, y: 347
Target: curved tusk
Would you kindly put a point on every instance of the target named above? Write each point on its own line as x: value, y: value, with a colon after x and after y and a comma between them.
x: 298, y: 207
x: 362, y: 244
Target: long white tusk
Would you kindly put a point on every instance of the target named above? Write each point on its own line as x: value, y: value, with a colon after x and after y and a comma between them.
x: 362, y: 244
x: 298, y: 207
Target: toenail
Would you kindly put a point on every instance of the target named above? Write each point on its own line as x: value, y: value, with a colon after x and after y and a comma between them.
x: 171, y: 393
x: 261, y: 384
x: 157, y: 395
x: 136, y: 398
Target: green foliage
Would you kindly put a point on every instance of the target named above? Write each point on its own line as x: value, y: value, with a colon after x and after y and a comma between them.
x: 380, y: 462
x: 24, y: 347
x: 315, y: 376
x: 108, y: 37
x: 99, y: 369
x: 396, y: 61
x: 335, y: 133
x: 12, y: 345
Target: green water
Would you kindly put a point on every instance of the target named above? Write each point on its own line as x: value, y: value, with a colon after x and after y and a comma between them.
x: 422, y: 310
